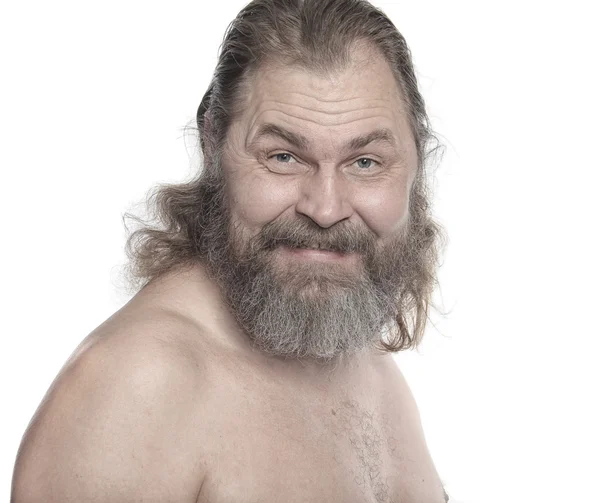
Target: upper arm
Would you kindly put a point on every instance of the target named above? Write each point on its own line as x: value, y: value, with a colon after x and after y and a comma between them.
x: 117, y: 425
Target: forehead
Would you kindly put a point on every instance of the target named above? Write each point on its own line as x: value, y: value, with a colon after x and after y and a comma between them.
x: 361, y: 98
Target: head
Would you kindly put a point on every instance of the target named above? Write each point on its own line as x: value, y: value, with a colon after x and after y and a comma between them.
x: 314, y: 136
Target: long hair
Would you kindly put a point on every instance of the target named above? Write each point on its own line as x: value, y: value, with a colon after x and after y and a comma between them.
x: 317, y: 35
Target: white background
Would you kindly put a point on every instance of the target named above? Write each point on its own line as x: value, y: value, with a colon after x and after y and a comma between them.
x: 95, y: 95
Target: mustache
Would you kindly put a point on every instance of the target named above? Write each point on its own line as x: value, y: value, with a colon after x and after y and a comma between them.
x: 304, y: 233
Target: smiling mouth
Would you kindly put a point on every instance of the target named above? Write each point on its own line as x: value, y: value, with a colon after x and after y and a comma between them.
x: 311, y: 248
x: 316, y: 253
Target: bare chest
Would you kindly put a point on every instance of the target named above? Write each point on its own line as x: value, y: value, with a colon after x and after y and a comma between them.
x: 271, y: 447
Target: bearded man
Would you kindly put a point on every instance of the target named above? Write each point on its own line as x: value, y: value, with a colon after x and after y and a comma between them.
x: 255, y: 361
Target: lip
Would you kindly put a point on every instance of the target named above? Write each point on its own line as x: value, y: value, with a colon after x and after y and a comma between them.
x: 315, y: 254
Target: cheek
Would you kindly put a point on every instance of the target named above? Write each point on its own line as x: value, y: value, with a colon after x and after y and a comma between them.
x: 256, y: 196
x: 385, y: 209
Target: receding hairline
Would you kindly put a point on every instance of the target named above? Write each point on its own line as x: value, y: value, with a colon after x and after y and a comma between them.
x: 360, y: 53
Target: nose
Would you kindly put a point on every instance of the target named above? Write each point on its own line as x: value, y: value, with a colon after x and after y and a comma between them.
x: 324, y: 198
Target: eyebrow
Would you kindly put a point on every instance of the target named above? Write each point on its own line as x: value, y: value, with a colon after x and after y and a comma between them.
x: 382, y: 135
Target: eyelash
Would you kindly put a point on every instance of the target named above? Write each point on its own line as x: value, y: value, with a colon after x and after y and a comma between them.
x: 359, y: 159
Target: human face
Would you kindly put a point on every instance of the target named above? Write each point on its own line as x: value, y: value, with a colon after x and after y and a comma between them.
x: 335, y: 149
x: 316, y: 163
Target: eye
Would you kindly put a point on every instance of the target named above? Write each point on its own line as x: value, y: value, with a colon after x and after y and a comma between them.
x: 284, y: 158
x: 365, y: 163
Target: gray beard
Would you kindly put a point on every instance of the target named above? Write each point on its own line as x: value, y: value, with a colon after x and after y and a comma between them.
x: 315, y: 311
x: 306, y: 314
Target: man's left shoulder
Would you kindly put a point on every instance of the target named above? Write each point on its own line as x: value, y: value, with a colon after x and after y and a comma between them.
x: 404, y: 419
x: 391, y: 380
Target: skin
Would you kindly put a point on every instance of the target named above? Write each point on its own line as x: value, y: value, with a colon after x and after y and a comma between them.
x: 324, y: 182
x: 167, y: 401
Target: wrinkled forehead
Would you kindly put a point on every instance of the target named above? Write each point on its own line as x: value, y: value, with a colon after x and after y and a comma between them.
x: 362, y: 96
x: 363, y: 74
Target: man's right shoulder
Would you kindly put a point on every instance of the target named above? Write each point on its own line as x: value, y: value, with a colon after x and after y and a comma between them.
x: 122, y: 420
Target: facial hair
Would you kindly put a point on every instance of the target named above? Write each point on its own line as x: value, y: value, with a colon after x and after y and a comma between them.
x: 306, y: 309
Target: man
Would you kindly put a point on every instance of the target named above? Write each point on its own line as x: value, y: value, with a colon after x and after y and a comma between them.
x: 255, y: 364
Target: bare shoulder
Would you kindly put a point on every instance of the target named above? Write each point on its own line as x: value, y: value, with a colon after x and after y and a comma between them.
x: 121, y: 420
x: 396, y: 388
x: 400, y: 404
x: 406, y: 428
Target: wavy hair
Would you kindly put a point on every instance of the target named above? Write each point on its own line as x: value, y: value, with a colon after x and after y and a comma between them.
x: 317, y: 35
